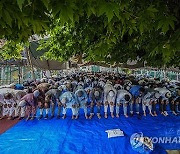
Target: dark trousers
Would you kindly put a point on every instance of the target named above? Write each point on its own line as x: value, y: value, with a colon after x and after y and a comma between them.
x: 163, y: 107
x: 59, y: 110
x: 174, y: 106
x: 153, y: 107
x: 92, y: 109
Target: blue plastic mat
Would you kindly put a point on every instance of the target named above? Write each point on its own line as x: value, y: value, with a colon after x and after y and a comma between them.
x: 86, y: 136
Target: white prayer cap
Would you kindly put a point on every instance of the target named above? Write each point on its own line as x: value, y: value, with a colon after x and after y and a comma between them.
x: 157, y: 95
x: 60, y: 88
x: 54, y: 76
x: 64, y: 100
x: 88, y: 88
x: 96, y: 93
x: 12, y: 85
x: 43, y: 80
x: 22, y: 103
x: 63, y: 86
x: 108, y: 82
x: 141, y: 82
x: 111, y: 93
x: 168, y: 94
x: 36, y: 93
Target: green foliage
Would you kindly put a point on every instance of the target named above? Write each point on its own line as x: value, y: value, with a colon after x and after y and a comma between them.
x: 103, y: 30
x: 22, y: 18
x: 20, y: 3
x: 11, y: 50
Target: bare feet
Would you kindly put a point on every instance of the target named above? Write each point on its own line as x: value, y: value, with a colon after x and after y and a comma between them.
x: 165, y: 112
x: 151, y: 114
x: 105, y: 116
x: 10, y: 118
x: 99, y: 116
x: 27, y: 118
x: 72, y: 117
x: 90, y: 117
x: 126, y: 115
x: 20, y: 118
x: 64, y: 116
x: 2, y: 118
x: 174, y: 113
x: 76, y: 117
x: 32, y: 118
x: 112, y: 115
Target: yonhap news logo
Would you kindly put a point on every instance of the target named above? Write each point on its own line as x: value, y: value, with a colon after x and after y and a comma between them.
x: 136, y: 139
x: 140, y: 143
x: 165, y: 140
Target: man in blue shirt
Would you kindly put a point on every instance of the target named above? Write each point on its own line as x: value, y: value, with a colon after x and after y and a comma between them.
x: 137, y: 93
x: 68, y: 101
x: 123, y: 98
x: 82, y: 99
x: 96, y: 97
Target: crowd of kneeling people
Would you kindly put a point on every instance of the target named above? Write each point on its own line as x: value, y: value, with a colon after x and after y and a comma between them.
x: 91, y: 92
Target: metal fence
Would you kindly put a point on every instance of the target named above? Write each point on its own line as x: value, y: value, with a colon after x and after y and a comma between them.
x: 144, y: 72
x: 18, y: 74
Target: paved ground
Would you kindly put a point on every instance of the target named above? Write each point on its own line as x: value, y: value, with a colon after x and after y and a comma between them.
x: 173, y: 151
x: 6, y: 124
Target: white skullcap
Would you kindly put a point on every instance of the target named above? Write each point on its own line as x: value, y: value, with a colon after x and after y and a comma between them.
x: 88, y: 88
x: 22, y: 103
x: 168, y: 95
x: 63, y: 86
x: 157, y: 95
x: 111, y: 93
x: 96, y: 93
x: 81, y: 83
x: 87, y: 80
x: 108, y: 82
x: 141, y: 82
x: 54, y: 76
x: 63, y: 101
x: 38, y: 80
x: 12, y: 85
x: 60, y: 88
x: 101, y: 83
x: 36, y: 93
x: 42, y: 80
x: 128, y: 87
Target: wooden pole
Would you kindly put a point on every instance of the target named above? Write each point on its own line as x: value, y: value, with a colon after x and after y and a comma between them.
x: 6, y: 74
x: 155, y: 74
x: 30, y: 63
x: 10, y: 73
x: 2, y: 74
x: 177, y: 76
x: 19, y: 74
x: 22, y: 73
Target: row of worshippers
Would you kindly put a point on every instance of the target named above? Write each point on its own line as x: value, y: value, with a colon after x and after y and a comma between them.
x: 90, y: 92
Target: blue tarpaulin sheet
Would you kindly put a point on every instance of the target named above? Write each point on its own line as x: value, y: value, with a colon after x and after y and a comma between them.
x: 87, y: 136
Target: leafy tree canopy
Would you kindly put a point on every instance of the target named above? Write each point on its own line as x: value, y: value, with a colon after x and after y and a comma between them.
x: 103, y: 30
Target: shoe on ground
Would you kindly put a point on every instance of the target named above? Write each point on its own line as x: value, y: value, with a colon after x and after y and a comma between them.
x: 40, y: 117
x: 46, y: 116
